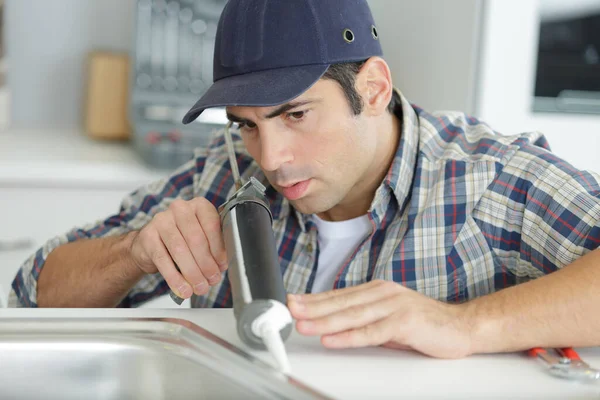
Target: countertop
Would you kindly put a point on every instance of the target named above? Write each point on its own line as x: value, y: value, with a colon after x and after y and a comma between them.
x: 68, y: 158
x: 374, y: 373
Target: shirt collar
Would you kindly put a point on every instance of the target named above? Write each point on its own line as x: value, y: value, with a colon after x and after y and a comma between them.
x: 398, y: 180
x: 402, y: 170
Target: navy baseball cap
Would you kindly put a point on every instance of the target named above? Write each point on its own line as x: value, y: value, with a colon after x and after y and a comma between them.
x: 268, y: 52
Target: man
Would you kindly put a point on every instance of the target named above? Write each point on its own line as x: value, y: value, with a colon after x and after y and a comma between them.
x: 415, y: 219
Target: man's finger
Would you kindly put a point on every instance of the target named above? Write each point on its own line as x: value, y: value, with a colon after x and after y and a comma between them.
x: 350, y: 318
x: 209, y: 219
x: 395, y: 346
x: 374, y: 334
x: 182, y: 256
x: 340, y: 302
x: 197, y: 244
x: 165, y: 265
x: 308, y: 298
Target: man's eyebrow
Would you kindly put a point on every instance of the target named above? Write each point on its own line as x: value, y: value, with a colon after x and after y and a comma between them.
x: 286, y: 107
x: 277, y: 112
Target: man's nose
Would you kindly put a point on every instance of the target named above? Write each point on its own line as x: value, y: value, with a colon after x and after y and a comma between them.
x: 275, y: 148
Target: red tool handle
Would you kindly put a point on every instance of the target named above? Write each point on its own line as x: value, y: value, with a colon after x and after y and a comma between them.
x: 570, y: 353
x: 536, y: 351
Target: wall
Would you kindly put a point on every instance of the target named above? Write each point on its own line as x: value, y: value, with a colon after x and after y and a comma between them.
x: 431, y: 47
x: 507, y: 73
x: 46, y: 44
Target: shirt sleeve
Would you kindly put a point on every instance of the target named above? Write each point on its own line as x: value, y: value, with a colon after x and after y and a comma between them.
x: 135, y: 211
x: 551, y: 213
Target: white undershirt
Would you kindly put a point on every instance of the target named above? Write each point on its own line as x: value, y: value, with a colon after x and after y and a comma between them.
x: 337, y: 242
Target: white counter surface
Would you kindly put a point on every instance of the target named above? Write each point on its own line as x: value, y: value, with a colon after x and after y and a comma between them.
x: 57, y: 158
x: 375, y: 373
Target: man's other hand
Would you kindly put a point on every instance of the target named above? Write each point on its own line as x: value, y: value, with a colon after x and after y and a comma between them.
x: 383, y: 313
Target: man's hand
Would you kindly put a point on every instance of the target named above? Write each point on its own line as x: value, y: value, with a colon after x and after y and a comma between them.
x: 382, y: 313
x: 187, y: 234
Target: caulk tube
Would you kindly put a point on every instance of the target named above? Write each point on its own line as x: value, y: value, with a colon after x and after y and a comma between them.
x: 258, y: 294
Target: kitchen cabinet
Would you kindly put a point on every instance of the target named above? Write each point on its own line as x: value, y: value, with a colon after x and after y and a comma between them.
x: 34, y: 215
x: 52, y: 181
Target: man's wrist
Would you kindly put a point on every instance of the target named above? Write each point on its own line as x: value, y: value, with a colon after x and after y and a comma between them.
x: 485, y: 327
x: 131, y: 270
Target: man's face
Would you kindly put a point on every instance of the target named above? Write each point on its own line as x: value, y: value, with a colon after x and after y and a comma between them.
x: 313, y: 150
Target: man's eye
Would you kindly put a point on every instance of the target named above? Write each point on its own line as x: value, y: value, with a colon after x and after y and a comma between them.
x: 247, y: 124
x: 296, y: 116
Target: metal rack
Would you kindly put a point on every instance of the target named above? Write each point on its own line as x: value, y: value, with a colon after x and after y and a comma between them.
x: 171, y: 68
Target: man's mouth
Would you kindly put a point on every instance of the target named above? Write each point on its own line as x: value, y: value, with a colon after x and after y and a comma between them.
x: 296, y: 190
x: 288, y: 185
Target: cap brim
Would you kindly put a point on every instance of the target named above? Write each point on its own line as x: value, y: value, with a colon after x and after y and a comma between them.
x: 258, y: 89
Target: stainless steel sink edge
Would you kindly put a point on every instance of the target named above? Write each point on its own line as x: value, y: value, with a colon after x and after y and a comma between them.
x: 175, y: 336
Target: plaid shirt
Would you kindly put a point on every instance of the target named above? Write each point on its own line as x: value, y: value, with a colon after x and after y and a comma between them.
x: 462, y: 212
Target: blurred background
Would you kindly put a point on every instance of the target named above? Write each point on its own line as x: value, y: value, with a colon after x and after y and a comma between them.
x: 92, y: 92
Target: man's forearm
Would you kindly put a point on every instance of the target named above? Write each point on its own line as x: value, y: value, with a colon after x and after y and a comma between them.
x: 557, y: 310
x: 88, y: 273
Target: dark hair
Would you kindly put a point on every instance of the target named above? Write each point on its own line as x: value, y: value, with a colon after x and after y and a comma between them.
x: 345, y: 75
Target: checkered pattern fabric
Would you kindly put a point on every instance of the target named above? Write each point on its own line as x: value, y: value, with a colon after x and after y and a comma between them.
x: 464, y: 211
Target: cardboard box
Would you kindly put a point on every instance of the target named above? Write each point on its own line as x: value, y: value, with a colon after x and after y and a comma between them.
x: 107, y: 98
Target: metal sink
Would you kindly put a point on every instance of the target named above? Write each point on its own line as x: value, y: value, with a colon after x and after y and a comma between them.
x: 122, y: 359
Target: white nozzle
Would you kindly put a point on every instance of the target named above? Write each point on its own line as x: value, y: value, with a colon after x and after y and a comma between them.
x: 267, y: 327
x: 275, y: 345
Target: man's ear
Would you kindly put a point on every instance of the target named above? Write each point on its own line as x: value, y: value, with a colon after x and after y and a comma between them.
x: 374, y: 82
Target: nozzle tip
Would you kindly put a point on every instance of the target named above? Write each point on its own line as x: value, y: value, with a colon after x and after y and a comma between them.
x: 275, y: 345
